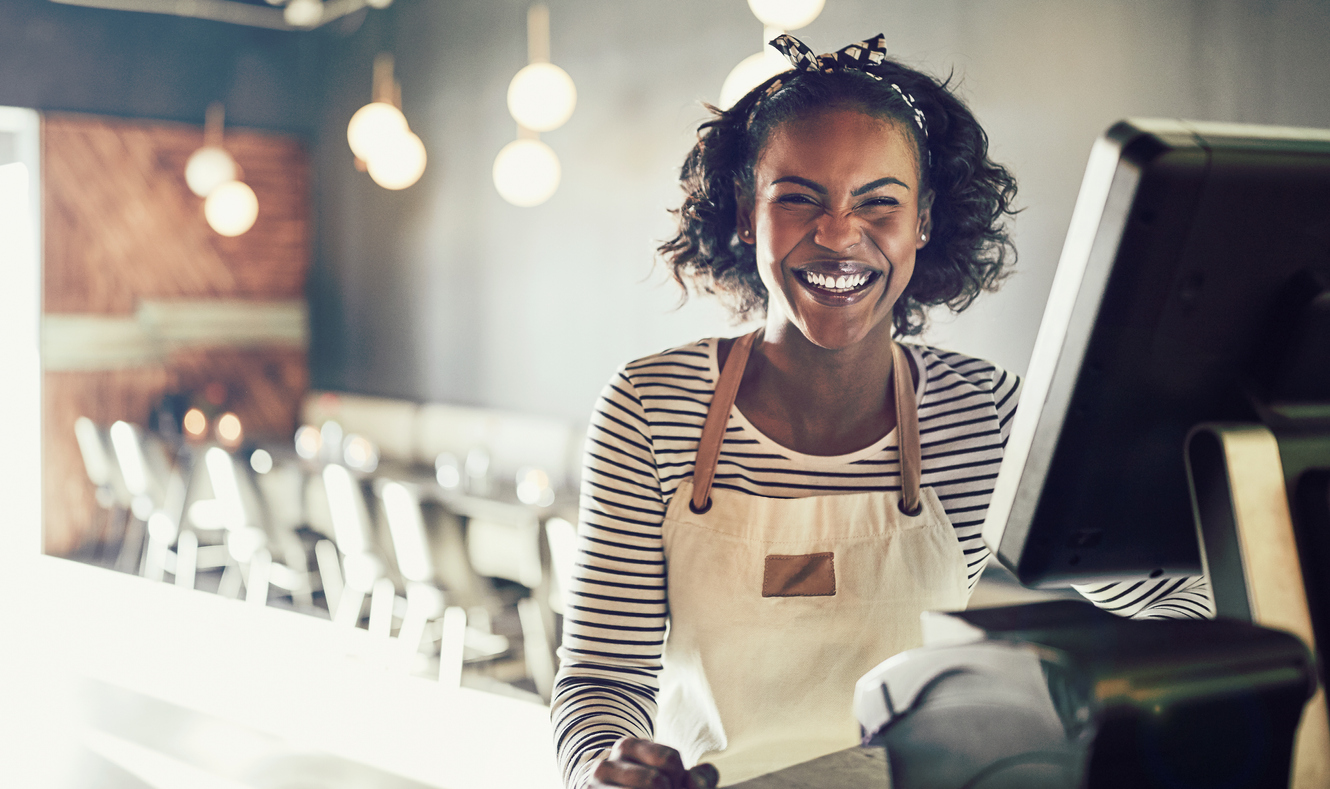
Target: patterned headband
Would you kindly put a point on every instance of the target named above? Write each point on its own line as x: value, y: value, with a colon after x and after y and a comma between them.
x: 855, y: 57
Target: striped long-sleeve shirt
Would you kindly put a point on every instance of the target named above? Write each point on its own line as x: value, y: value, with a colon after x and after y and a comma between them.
x: 641, y: 445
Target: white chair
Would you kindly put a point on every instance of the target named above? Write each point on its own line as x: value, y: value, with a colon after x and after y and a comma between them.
x: 504, y: 541
x: 156, y: 500
x: 109, y: 489
x: 235, y: 507
x: 361, y: 567
x: 280, y: 492
x: 561, y: 537
x: 157, y: 494
x: 424, y: 601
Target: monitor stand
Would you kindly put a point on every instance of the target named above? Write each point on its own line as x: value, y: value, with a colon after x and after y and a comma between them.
x: 1249, y: 548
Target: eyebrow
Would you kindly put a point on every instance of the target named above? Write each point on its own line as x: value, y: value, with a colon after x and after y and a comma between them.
x: 820, y: 189
x: 868, y: 187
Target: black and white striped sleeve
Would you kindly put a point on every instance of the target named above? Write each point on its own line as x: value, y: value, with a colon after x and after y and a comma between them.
x: 978, y: 421
x: 1177, y: 597
x: 614, y: 625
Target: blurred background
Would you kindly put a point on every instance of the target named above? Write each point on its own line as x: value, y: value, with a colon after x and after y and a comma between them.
x: 353, y: 386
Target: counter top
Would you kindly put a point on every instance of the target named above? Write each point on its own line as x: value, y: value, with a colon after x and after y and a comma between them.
x: 864, y: 767
x: 302, y: 689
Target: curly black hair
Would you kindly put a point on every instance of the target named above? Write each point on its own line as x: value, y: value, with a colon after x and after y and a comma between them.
x: 970, y: 251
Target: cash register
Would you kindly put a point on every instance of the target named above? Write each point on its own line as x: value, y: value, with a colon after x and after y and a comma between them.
x: 1175, y: 420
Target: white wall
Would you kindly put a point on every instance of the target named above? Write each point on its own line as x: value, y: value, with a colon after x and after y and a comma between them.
x: 445, y: 292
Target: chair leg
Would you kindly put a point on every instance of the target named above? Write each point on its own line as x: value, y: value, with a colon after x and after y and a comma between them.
x: 381, y: 608
x: 230, y: 583
x: 112, y: 535
x: 452, y: 647
x: 536, y: 646
x: 423, y: 603
x: 330, y: 574
x: 130, y: 557
x: 256, y: 583
x: 348, y: 607
x: 186, y: 559
x: 154, y: 559
x: 293, y: 553
x: 408, y: 637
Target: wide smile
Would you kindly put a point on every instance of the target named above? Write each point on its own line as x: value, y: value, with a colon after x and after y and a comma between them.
x: 837, y: 284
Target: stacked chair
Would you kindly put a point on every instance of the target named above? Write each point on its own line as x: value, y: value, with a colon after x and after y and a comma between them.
x: 451, y: 549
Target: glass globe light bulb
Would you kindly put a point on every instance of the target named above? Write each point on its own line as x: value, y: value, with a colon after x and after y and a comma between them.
x: 208, y: 168
x: 231, y: 208
x: 786, y: 14
x: 373, y: 126
x: 398, y: 163
x: 526, y: 172
x: 542, y: 96
x: 303, y: 13
x: 751, y: 72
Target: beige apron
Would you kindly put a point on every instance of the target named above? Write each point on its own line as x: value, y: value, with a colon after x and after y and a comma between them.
x: 777, y: 606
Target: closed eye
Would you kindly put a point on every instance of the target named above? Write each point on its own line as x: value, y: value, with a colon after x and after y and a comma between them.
x: 797, y: 198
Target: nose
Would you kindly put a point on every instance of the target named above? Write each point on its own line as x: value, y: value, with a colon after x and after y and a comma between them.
x: 836, y: 231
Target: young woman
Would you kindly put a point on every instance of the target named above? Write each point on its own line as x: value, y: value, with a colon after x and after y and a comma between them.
x: 791, y: 500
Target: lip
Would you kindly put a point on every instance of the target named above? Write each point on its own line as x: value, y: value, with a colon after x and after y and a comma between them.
x: 838, y: 268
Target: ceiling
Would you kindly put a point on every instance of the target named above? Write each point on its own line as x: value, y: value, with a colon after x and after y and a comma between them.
x: 254, y: 13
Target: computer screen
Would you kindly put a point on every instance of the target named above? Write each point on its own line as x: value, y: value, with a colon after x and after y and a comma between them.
x: 1194, y: 254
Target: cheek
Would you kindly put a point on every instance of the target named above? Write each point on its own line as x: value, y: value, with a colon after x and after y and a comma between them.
x: 771, y: 243
x: 901, y: 276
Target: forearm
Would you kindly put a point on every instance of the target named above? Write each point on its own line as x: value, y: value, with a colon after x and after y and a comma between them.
x: 1181, y: 597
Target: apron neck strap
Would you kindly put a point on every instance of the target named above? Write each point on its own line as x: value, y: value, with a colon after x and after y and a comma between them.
x: 907, y: 430
x: 718, y: 417
x: 727, y: 387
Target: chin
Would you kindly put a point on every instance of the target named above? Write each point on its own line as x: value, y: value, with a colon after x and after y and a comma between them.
x: 835, y: 338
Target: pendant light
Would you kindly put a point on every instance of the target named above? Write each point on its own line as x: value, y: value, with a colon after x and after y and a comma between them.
x: 380, y: 137
x: 526, y: 171
x: 210, y: 166
x: 786, y: 15
x: 230, y: 206
x: 541, y: 97
x: 777, y: 17
x: 303, y: 13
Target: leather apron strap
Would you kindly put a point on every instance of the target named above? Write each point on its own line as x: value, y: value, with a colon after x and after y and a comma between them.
x: 907, y: 431
x: 718, y: 417
x: 727, y: 387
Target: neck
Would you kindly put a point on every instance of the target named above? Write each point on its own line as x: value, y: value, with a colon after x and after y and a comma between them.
x: 816, y: 400
x: 830, y: 375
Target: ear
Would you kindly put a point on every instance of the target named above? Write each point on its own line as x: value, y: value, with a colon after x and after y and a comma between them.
x: 925, y: 230
x: 743, y: 216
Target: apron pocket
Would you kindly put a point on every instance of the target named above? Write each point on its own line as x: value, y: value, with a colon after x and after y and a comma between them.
x: 809, y: 575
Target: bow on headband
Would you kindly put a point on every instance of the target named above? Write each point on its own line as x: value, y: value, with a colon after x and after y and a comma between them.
x: 855, y: 57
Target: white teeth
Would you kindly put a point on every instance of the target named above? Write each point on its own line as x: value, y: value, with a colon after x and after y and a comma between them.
x: 842, y: 283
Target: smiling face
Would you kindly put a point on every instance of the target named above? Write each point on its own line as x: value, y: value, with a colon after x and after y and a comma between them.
x: 836, y: 217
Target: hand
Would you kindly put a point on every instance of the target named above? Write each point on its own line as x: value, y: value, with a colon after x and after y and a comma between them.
x: 643, y: 764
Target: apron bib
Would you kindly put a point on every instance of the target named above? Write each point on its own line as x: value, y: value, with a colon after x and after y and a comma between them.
x: 777, y: 606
